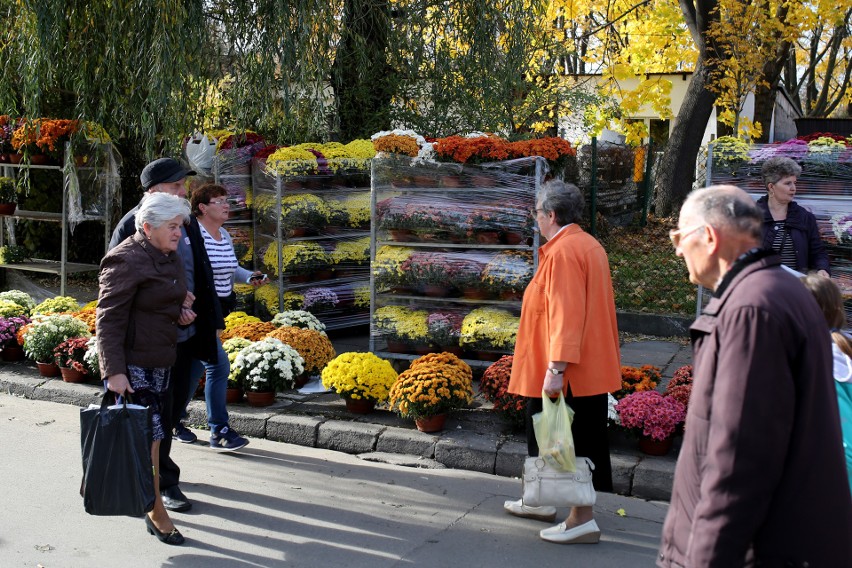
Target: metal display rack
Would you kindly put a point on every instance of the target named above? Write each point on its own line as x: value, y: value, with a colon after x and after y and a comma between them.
x: 105, y: 176
x: 465, y: 206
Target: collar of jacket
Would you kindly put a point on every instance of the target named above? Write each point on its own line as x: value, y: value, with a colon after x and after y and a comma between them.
x: 795, y: 213
x: 158, y: 256
x: 571, y: 229
x: 758, y: 260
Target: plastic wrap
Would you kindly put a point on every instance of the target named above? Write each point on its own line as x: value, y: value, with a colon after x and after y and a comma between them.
x: 824, y: 188
x: 319, y: 227
x: 92, y: 182
x: 454, y: 253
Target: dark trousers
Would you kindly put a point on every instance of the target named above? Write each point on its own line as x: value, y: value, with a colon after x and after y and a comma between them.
x: 590, y: 434
x: 172, y: 408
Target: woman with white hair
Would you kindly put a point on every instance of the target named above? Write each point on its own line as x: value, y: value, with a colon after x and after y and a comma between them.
x: 142, y: 292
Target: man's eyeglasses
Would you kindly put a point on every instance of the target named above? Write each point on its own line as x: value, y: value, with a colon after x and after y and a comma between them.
x: 677, y: 235
x: 534, y: 211
x: 219, y: 202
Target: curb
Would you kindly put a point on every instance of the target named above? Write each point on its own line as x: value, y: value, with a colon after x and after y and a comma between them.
x: 473, y: 439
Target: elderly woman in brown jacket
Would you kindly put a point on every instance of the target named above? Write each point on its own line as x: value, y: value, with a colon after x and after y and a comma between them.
x: 142, y: 292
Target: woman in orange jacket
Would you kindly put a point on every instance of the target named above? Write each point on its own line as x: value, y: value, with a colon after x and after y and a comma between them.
x: 568, y: 341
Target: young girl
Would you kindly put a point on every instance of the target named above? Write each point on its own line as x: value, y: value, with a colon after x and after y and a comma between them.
x: 830, y: 300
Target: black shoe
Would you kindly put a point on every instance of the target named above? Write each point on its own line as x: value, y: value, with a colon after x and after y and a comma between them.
x: 173, y: 537
x: 175, y: 500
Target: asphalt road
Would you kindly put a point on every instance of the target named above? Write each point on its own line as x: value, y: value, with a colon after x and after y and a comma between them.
x: 276, y: 504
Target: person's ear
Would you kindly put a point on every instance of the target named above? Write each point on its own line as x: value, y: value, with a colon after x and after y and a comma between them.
x: 711, y: 236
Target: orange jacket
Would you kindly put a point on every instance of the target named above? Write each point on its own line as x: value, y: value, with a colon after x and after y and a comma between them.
x: 568, y: 314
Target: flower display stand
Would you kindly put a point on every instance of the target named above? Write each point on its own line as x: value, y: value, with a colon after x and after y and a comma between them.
x: 453, y: 249
x: 312, y: 238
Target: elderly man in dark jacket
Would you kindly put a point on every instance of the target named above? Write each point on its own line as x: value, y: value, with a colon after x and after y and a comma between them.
x: 760, y: 479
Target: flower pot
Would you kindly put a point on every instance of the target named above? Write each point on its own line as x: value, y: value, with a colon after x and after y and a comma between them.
x: 302, y: 380
x: 39, y: 159
x: 260, y: 398
x: 488, y: 237
x: 12, y: 353
x: 454, y: 349
x: 324, y: 274
x: 72, y: 375
x: 436, y: 290
x: 15, y: 158
x: 397, y: 346
x: 652, y: 447
x: 401, y: 235
x: 360, y: 405
x: 48, y: 369
x: 233, y: 395
x: 451, y: 181
x: 474, y: 293
x: 8, y: 208
x: 431, y: 423
x: 483, y: 180
x: 511, y: 238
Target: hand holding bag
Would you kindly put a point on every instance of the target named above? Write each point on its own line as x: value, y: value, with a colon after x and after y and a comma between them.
x: 118, y: 476
x: 546, y: 486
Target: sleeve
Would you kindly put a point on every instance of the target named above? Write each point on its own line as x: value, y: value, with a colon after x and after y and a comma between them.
x: 817, y: 256
x: 753, y: 404
x: 241, y: 275
x: 115, y: 301
x: 566, y: 306
x: 124, y: 229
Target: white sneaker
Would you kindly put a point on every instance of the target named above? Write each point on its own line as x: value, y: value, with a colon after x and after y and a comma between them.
x: 517, y: 508
x: 587, y: 533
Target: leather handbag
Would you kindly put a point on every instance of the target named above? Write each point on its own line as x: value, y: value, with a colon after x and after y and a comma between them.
x: 545, y: 485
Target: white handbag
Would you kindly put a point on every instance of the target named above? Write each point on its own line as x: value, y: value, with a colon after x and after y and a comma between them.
x: 547, y: 486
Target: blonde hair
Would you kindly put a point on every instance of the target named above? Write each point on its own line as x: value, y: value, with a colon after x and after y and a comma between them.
x: 830, y: 301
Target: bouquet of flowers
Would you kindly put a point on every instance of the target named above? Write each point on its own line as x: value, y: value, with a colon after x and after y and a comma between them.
x: 314, y: 347
x: 234, y: 319
x: 72, y: 353
x: 489, y: 329
x: 300, y: 319
x: 401, y: 324
x: 9, y: 309
x: 90, y: 358
x: 680, y: 387
x: 47, y: 331
x: 57, y: 305
x: 444, y: 328
x: 9, y: 329
x: 359, y: 375
x: 268, y: 365
x: 638, y: 379
x: 253, y: 331
x: 232, y: 348
x: 494, y: 386
x: 387, y: 267
x: 650, y: 414
x: 431, y: 387
x: 320, y: 299
x: 508, y: 273
x: 841, y: 226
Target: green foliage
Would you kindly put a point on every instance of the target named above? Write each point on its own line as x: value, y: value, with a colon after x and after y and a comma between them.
x: 13, y: 254
x: 8, y: 190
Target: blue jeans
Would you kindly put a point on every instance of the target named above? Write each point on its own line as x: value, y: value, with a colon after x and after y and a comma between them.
x: 215, y: 388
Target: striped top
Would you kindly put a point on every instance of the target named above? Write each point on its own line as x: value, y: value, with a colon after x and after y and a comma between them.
x: 222, y: 260
x: 788, y: 253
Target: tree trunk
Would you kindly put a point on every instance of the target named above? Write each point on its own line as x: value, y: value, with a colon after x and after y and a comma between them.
x: 677, y: 166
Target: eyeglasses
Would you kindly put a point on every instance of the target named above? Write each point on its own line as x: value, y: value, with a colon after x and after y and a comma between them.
x: 219, y: 202
x: 534, y: 211
x: 677, y: 235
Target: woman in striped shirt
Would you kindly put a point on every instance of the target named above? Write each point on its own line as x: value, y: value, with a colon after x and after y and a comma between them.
x: 211, y: 208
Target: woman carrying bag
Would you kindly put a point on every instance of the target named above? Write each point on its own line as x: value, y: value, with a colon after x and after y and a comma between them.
x: 568, y: 342
x: 142, y: 299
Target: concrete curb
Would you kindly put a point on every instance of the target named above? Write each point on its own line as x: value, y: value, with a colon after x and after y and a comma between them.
x: 473, y: 439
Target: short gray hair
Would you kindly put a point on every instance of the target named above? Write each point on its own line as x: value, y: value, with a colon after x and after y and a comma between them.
x: 159, y: 208
x: 777, y: 168
x: 727, y: 206
x: 563, y: 199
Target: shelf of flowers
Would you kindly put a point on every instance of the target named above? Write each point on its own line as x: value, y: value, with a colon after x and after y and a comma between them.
x: 453, y: 251
x: 311, y: 236
x: 824, y: 188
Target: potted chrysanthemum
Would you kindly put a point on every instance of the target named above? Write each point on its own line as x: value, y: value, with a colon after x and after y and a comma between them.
x: 489, y: 331
x: 70, y: 356
x: 653, y: 417
x: 57, y: 305
x: 402, y: 328
x: 233, y: 347
x: 361, y: 379
x: 266, y: 366
x: 432, y: 386
x: 298, y: 318
x: 494, y: 386
x: 90, y: 358
x: 45, y: 333
x: 314, y: 347
x: 9, y: 328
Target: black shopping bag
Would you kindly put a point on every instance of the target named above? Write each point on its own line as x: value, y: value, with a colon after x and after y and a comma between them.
x: 118, y: 476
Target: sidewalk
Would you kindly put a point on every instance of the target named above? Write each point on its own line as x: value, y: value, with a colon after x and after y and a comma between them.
x: 474, y: 439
